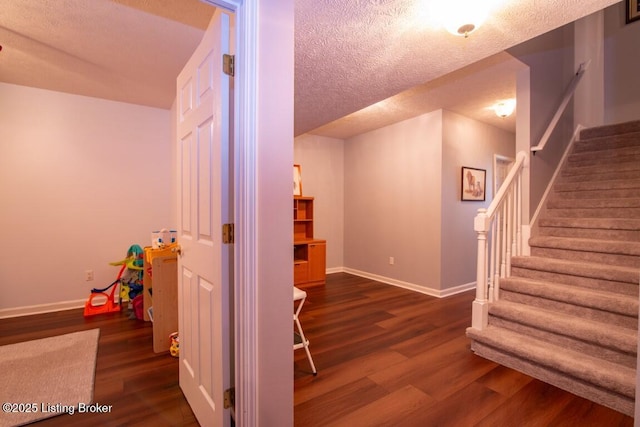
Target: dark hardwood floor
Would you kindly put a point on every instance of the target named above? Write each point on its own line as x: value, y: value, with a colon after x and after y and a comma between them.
x: 392, y: 357
x: 141, y: 386
x: 385, y: 357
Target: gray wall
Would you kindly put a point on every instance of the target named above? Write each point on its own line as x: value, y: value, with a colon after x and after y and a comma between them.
x: 402, y: 197
x: 551, y: 62
x: 321, y: 160
x: 622, y: 66
x: 465, y: 142
x: 392, y: 201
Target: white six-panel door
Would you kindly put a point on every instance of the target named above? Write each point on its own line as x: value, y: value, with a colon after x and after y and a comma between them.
x: 204, y: 280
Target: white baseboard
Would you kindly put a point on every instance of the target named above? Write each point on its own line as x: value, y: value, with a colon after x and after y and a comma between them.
x: 406, y: 285
x: 41, y: 308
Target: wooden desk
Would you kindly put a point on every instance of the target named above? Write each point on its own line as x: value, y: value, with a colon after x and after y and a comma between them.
x: 163, y: 282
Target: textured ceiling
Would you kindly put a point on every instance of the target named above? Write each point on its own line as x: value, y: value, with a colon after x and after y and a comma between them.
x: 123, y: 50
x: 349, y: 54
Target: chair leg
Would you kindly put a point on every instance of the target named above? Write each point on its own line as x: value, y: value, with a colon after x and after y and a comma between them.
x: 304, y: 341
x: 305, y: 344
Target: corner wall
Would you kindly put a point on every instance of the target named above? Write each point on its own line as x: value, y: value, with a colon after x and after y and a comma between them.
x: 81, y: 179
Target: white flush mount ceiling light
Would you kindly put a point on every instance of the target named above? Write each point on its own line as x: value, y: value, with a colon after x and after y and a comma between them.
x: 462, y: 17
x: 505, y: 108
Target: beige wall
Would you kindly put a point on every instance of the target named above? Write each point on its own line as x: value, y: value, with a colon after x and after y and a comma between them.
x: 322, y: 164
x: 81, y: 179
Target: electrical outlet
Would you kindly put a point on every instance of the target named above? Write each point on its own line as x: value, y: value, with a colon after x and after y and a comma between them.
x: 88, y: 275
x: 392, y: 260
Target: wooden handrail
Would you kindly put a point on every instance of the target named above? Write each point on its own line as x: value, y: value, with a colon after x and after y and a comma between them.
x: 571, y: 89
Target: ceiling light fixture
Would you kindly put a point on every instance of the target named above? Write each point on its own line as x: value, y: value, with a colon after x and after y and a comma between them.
x: 463, y: 17
x: 505, y: 108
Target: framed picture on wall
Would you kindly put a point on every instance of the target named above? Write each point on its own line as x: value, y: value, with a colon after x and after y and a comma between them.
x: 473, y: 184
x: 297, y: 181
x: 633, y: 11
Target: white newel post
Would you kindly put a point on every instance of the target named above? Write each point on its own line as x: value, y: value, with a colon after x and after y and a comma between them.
x: 480, y: 309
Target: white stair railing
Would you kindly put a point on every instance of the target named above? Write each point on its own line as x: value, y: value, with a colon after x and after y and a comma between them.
x: 499, y: 230
x: 499, y: 227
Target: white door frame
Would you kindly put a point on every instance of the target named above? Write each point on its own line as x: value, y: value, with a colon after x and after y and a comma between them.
x: 245, y: 34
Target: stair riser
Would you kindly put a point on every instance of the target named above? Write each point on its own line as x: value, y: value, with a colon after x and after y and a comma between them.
x: 590, y: 233
x: 631, y: 213
x: 582, y: 344
x: 624, y: 288
x: 595, y: 257
x: 618, y: 402
x: 613, y: 319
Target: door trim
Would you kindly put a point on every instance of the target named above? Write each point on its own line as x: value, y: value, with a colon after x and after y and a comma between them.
x: 245, y: 34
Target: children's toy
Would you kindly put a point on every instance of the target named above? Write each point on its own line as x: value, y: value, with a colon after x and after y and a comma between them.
x: 129, y: 280
x: 174, y: 349
x: 110, y: 305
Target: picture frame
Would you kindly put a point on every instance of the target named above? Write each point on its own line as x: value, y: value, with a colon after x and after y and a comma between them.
x: 633, y: 11
x: 297, y: 181
x: 474, y: 184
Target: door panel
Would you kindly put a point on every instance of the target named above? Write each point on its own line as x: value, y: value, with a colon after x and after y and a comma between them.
x: 203, y: 278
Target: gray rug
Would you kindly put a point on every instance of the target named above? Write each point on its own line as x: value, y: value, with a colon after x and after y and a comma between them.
x: 47, y: 377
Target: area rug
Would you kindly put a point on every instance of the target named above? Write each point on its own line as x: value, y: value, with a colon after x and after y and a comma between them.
x: 47, y: 377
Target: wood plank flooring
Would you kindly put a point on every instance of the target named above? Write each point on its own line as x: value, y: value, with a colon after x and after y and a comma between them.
x: 391, y: 357
x: 141, y: 386
x: 385, y: 356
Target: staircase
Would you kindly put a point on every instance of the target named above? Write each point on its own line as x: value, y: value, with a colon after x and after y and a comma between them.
x: 568, y: 315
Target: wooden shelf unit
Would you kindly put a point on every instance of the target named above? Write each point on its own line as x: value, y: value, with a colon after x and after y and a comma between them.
x: 309, y: 253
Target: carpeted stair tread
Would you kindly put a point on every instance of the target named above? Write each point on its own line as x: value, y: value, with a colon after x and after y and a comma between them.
x: 563, y: 203
x: 626, y: 305
x: 604, y: 163
x: 603, y: 156
x: 608, y: 375
x: 610, y: 129
x: 630, y: 224
x: 601, y: 334
x: 587, y: 245
x: 597, y: 185
x: 598, y: 171
x: 606, y: 143
x: 589, y: 270
x: 595, y: 174
x: 612, y: 147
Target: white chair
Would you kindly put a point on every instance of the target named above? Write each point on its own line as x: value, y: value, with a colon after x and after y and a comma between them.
x: 299, y: 340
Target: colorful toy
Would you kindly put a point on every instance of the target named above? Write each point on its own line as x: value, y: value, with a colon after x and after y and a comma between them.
x: 110, y: 305
x: 174, y: 348
x: 129, y: 280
